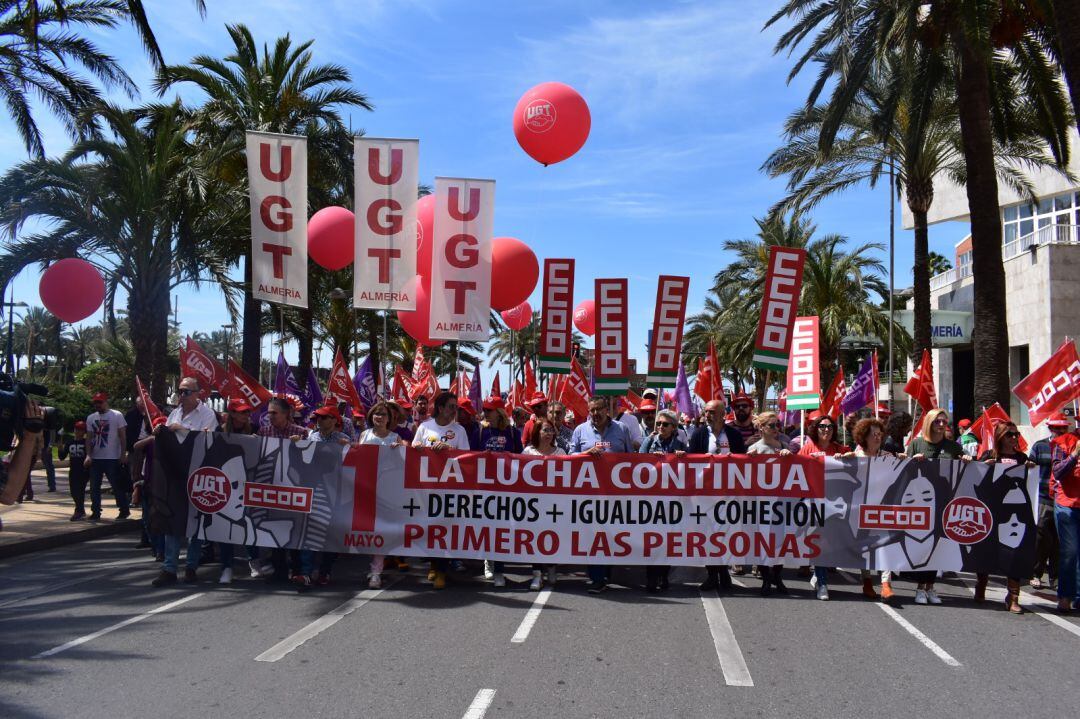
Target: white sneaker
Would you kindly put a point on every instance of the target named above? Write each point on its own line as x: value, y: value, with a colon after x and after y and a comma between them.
x: 226, y: 576
x: 552, y: 576
x: 920, y: 597
x: 932, y: 597
x: 537, y: 580
x: 489, y: 571
x: 256, y: 569
x: 498, y: 580
x: 813, y: 581
x: 823, y: 593
x: 374, y: 581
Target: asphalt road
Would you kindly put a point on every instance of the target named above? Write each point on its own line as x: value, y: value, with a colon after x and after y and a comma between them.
x: 84, y: 635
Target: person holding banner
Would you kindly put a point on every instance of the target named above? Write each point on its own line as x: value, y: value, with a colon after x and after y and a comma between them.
x: 496, y: 435
x: 715, y: 437
x: 868, y: 435
x: 820, y: 441
x: 400, y: 419
x: 238, y: 422
x: 378, y: 432
x: 1065, y: 489
x: 1046, y: 553
x: 767, y: 427
x: 564, y: 435
x: 663, y: 441
x: 542, y: 444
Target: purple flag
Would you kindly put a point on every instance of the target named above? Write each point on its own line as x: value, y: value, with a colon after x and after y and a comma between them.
x: 284, y: 381
x: 592, y: 382
x: 313, y: 397
x: 861, y: 392
x: 683, y: 401
x: 364, y: 381
x: 475, y: 393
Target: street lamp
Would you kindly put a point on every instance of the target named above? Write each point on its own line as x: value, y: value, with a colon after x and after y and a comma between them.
x: 227, y: 329
x: 11, y: 305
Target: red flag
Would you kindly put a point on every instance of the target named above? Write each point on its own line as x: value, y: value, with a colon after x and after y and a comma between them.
x: 461, y: 384
x: 993, y: 415
x: 830, y: 404
x: 530, y: 379
x: 921, y: 385
x: 420, y: 364
x: 714, y: 373
x: 631, y: 401
x: 985, y: 432
x: 423, y: 374
x: 194, y: 362
x: 403, y: 385
x: 496, y: 389
x: 340, y: 385
x: 708, y: 384
x: 1052, y: 385
x: 574, y: 392
x: 152, y: 411
x: 241, y: 384
x: 553, y: 390
x: 515, y: 398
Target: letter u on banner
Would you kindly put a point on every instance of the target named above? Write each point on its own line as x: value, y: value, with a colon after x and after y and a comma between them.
x: 384, y: 272
x: 277, y: 177
x: 461, y: 259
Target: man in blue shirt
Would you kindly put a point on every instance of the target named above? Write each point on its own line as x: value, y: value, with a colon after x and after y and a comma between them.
x: 597, y: 436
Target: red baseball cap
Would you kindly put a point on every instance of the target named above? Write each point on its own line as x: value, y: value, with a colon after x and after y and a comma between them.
x: 742, y: 397
x: 964, y: 423
x: 1057, y: 420
x: 80, y: 425
x: 538, y: 398
x: 100, y: 397
x: 239, y: 405
x: 647, y: 406
x: 817, y: 415
x: 466, y: 404
x: 328, y: 411
x: 494, y: 402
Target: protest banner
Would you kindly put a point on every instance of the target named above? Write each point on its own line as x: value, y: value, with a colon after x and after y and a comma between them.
x: 384, y: 270
x: 779, y: 305
x: 556, y: 331
x: 611, y: 366
x: 461, y: 259
x: 665, y: 349
x: 1052, y: 385
x: 277, y: 178
x: 803, y: 376
x: 612, y: 508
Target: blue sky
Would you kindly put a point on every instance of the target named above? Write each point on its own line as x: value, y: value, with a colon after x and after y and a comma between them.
x: 687, y: 101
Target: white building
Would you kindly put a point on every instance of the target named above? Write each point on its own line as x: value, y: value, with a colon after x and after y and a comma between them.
x: 1041, y: 254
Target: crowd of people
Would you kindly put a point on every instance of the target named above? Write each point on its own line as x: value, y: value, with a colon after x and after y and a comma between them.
x: 119, y: 448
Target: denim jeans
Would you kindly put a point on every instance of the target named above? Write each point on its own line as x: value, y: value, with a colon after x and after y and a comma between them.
x: 228, y: 551
x: 1067, y: 520
x: 822, y: 575
x: 109, y: 468
x: 598, y: 573
x: 172, y: 553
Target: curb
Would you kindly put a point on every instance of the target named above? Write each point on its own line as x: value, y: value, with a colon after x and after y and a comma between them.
x: 38, y: 544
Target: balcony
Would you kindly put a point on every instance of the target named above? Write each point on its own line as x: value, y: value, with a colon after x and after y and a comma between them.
x: 1045, y: 235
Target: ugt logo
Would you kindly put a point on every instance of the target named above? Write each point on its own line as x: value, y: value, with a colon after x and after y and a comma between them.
x: 209, y: 489
x: 539, y: 116
x: 967, y: 520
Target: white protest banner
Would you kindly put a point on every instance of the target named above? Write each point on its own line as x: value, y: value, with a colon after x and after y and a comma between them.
x: 384, y: 272
x: 277, y: 178
x: 461, y: 259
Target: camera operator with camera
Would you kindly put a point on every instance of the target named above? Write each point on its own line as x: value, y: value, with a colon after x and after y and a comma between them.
x: 22, y: 421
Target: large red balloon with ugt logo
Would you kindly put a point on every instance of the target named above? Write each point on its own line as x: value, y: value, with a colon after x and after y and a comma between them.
x: 551, y: 122
x: 72, y: 289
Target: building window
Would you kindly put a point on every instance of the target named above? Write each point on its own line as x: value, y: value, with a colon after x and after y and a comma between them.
x: 1020, y: 221
x: 1063, y: 202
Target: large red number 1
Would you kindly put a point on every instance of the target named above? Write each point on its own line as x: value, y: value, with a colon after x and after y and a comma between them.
x: 364, y: 461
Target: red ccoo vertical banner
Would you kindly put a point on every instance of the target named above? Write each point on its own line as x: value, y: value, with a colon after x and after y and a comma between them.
x: 277, y: 177
x: 384, y: 272
x: 803, y: 375
x: 461, y: 259
x: 779, y: 305
x: 666, y: 347
x: 612, y: 360
x: 556, y: 330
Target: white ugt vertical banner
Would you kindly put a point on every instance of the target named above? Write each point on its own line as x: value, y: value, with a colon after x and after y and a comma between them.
x: 384, y: 273
x: 277, y: 176
x: 461, y: 259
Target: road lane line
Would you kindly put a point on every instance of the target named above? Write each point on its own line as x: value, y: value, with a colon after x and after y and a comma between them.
x: 114, y: 627
x: 736, y: 673
x: 480, y: 704
x: 531, y: 616
x: 923, y: 639
x: 321, y: 624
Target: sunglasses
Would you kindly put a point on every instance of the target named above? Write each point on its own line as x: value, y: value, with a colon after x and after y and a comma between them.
x: 825, y: 425
x: 1012, y: 435
x: 940, y: 421
x: 663, y: 424
x: 740, y: 406
x: 185, y: 392
x: 774, y: 425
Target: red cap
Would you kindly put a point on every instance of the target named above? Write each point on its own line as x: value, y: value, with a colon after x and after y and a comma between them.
x: 964, y: 423
x: 816, y: 415
x: 494, y: 402
x: 538, y: 398
x: 742, y: 397
x: 1057, y: 420
x: 239, y: 405
x: 883, y: 409
x: 100, y: 397
x: 647, y: 406
x: 466, y: 404
x: 80, y: 425
x: 328, y: 411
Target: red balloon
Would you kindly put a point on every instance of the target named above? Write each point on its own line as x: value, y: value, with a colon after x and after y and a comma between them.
x: 585, y: 317
x: 331, y: 237
x: 416, y: 324
x: 518, y: 318
x: 72, y: 289
x: 551, y: 122
x: 425, y: 234
x: 514, y: 272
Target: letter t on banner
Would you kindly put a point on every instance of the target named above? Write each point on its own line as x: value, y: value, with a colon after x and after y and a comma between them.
x: 779, y: 305
x: 461, y: 259
x: 612, y: 361
x: 384, y: 273
x: 277, y: 178
x: 666, y: 346
x: 556, y: 333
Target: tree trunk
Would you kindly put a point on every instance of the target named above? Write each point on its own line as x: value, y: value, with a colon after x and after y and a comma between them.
x: 991, y: 333
x: 1067, y: 18
x: 921, y: 276
x: 252, y: 342
x: 373, y: 328
x: 148, y: 317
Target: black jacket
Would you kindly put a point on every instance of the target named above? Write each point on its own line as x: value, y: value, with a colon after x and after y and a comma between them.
x: 699, y: 440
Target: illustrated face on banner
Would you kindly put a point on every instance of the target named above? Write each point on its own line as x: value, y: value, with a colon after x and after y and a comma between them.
x: 920, y: 493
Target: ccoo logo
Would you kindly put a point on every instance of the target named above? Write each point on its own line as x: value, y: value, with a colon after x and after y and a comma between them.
x: 209, y: 489
x: 967, y: 520
x: 539, y: 116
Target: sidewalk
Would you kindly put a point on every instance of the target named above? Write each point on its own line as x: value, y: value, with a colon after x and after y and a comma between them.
x: 44, y: 523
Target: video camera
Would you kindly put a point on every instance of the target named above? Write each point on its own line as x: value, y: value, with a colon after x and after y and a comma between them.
x: 13, y: 400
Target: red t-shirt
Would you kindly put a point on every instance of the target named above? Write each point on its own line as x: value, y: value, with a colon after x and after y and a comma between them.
x: 810, y: 449
x: 1065, y: 490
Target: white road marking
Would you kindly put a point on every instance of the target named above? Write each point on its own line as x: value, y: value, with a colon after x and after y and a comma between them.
x: 321, y: 624
x: 736, y: 673
x: 107, y: 630
x: 1038, y: 599
x: 531, y: 616
x: 480, y: 704
x: 923, y: 639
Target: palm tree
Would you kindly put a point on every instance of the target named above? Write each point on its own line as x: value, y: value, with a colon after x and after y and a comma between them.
x: 938, y: 264
x: 142, y: 207
x: 29, y: 335
x: 275, y: 91
x: 980, y: 42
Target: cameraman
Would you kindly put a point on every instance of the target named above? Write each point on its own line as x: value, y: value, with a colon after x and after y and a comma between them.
x: 106, y: 450
x: 23, y: 456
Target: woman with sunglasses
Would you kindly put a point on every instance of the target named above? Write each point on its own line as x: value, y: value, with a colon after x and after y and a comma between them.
x: 869, y: 436
x: 543, y: 442
x: 663, y: 440
x: 379, y: 420
x: 767, y: 425
x: 933, y: 443
x: 1006, y: 450
x: 820, y: 441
